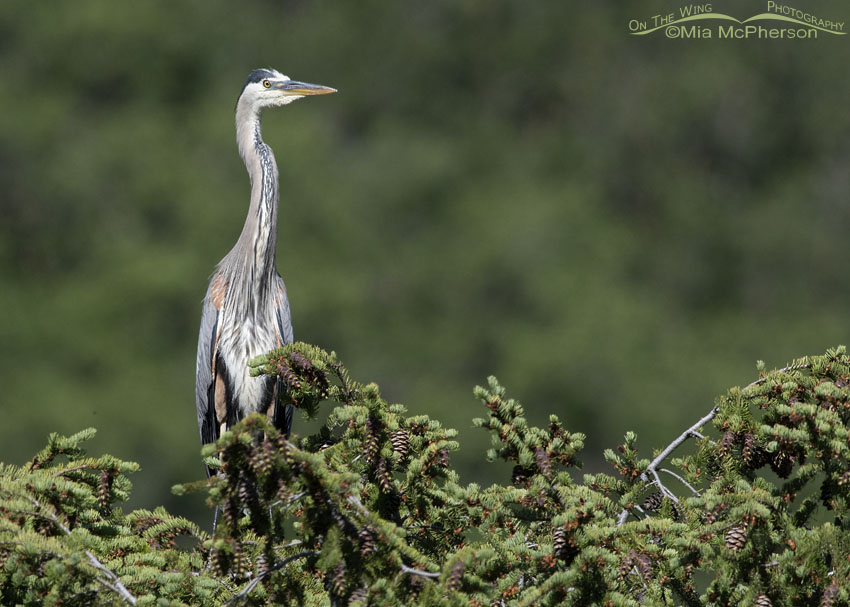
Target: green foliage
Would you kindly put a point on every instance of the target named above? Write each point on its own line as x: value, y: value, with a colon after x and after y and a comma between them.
x: 522, y: 189
x: 369, y: 510
x: 64, y: 540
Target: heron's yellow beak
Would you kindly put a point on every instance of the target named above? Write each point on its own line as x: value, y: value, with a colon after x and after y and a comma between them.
x: 293, y: 87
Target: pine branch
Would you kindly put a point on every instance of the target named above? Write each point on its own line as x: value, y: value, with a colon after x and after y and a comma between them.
x: 378, y: 515
x: 112, y: 581
x: 651, y: 469
x: 246, y: 590
x: 796, y: 367
x: 680, y: 479
x: 418, y: 572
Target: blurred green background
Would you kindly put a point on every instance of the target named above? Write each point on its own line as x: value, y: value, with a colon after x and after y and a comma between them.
x: 617, y: 227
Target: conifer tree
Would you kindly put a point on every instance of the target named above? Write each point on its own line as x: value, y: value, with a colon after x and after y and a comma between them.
x: 748, y: 506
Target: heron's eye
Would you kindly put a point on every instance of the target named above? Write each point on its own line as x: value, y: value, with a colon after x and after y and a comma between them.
x: 266, y: 83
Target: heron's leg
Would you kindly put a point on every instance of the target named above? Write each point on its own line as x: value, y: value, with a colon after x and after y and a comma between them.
x: 222, y: 430
x: 214, y: 525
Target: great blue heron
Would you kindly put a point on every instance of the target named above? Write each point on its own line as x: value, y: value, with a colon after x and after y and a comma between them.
x: 245, y: 311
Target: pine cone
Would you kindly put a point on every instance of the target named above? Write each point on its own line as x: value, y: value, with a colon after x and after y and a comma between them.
x: 520, y: 476
x: 264, y: 458
x: 830, y: 595
x: 285, y: 372
x: 653, y: 501
x: 543, y: 463
x: 250, y: 500
x: 230, y: 513
x: 559, y: 541
x: 736, y: 537
x: 261, y: 565
x: 753, y: 454
x: 442, y: 458
x: 627, y: 564
x: 762, y: 600
x: 315, y: 376
x: 281, y: 448
x: 300, y: 362
x: 400, y: 440
x: 358, y: 596
x: 563, y: 546
x: 248, y: 494
x: 370, y: 446
x: 104, y: 487
x: 338, y: 580
x: 727, y: 442
x: 782, y: 464
x: 644, y: 566
x: 416, y: 583
x: 455, y: 576
x: 239, y: 567
x: 384, y: 476
x: 368, y: 540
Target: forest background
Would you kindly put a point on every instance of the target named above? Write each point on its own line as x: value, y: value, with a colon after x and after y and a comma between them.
x: 617, y: 226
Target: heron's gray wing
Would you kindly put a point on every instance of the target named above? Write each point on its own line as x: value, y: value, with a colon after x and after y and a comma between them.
x: 284, y: 319
x: 205, y: 370
x: 282, y: 416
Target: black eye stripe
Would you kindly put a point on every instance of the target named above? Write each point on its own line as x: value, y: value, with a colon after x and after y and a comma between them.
x: 259, y: 76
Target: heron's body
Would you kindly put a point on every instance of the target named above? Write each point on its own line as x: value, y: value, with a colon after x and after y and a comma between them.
x: 246, y: 311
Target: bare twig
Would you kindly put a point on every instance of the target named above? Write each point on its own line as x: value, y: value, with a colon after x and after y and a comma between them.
x: 651, y: 469
x: 289, y: 502
x: 693, y: 432
x: 65, y: 471
x: 664, y: 490
x: 681, y: 439
x: 111, y: 581
x: 797, y: 367
x: 291, y: 544
x: 681, y: 480
x: 641, y: 510
x: 256, y: 580
x: 413, y: 571
x: 355, y: 501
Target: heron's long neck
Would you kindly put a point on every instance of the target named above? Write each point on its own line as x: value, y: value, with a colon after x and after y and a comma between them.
x: 255, y: 250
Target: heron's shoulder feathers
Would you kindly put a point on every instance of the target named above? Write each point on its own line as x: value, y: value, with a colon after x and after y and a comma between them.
x: 217, y: 291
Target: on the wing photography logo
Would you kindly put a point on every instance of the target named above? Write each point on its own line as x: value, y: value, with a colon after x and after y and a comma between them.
x: 779, y: 21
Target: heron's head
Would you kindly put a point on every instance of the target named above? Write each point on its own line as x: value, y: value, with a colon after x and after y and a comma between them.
x: 270, y: 88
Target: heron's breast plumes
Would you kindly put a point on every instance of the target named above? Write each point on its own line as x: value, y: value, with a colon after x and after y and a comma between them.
x: 241, y: 342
